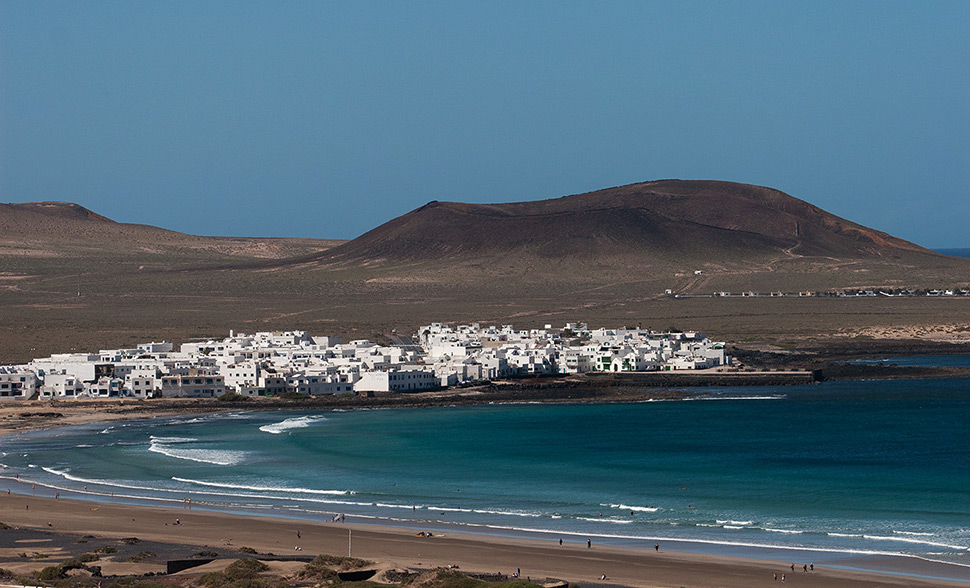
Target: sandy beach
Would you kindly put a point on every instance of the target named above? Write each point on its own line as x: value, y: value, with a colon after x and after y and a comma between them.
x: 36, y: 414
x: 395, y: 548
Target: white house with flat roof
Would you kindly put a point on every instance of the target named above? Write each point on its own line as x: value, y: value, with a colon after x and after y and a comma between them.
x: 403, y: 380
x: 17, y: 384
x: 143, y: 381
x: 61, y: 386
x: 192, y: 385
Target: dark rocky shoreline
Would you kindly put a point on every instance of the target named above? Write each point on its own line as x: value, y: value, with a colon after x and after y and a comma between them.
x: 830, y: 360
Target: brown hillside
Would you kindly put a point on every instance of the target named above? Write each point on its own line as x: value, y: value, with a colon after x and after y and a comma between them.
x: 64, y: 229
x: 668, y: 220
x: 24, y: 212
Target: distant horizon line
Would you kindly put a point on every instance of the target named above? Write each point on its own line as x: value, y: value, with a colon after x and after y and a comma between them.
x: 953, y: 251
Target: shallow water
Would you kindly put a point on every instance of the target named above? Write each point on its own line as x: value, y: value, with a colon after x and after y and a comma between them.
x: 917, y: 361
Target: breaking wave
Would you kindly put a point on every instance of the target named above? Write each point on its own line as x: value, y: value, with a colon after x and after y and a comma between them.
x: 263, y: 488
x: 223, y: 457
x: 292, y: 423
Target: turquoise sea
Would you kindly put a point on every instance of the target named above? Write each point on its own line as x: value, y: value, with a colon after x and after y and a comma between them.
x: 868, y: 467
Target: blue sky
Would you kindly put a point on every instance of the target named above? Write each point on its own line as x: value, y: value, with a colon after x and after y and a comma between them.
x: 326, y: 119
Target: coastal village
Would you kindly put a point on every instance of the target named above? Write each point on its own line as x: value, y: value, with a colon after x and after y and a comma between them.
x: 275, y: 364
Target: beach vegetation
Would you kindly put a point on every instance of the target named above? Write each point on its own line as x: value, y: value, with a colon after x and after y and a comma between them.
x: 219, y: 580
x: 114, y: 582
x: 339, y: 561
x: 449, y: 578
x: 245, y: 568
x: 206, y: 553
x: 49, y: 574
x: 454, y: 580
x: 5, y: 526
x: 142, y: 555
x: 247, y: 550
x: 290, y: 395
x: 86, y: 557
x: 242, y: 573
x: 325, y: 567
x: 320, y: 574
x: 132, y: 582
x: 213, y: 579
x: 231, y: 396
x: 40, y: 555
x: 106, y: 549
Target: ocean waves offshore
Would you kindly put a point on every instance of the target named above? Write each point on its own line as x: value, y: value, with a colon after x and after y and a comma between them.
x: 844, y: 467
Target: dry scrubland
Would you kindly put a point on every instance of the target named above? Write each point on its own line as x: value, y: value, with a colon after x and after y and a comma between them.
x: 181, y: 293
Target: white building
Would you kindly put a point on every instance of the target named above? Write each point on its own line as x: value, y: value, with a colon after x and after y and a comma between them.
x: 61, y: 385
x: 192, y: 385
x: 17, y: 384
x: 103, y: 387
x: 143, y: 382
x: 403, y: 380
x: 315, y: 384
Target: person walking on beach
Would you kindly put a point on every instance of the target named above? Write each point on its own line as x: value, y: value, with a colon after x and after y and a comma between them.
x: 657, y: 547
x: 560, y: 541
x: 589, y: 543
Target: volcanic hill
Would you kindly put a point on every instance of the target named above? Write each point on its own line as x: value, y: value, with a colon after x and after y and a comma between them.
x: 694, y: 224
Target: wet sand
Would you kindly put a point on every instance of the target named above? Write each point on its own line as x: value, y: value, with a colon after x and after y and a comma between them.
x: 401, y: 548
x: 36, y: 414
